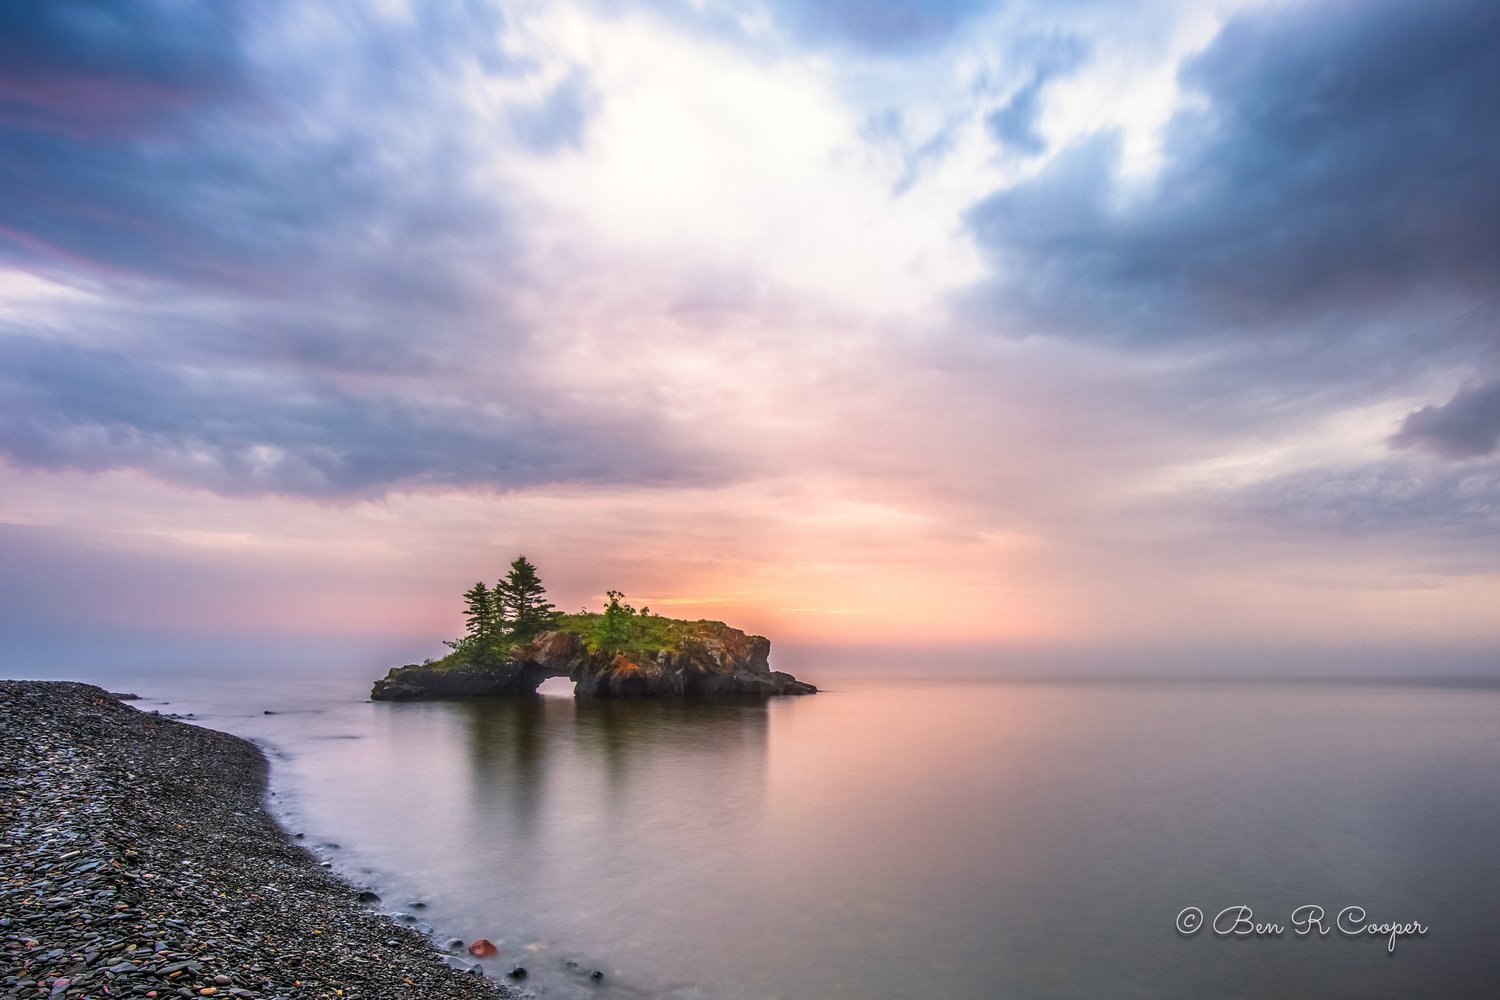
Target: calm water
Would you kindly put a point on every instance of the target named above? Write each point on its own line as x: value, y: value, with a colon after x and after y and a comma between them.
x: 886, y: 839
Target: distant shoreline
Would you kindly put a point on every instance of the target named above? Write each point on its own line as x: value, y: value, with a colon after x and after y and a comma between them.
x: 138, y: 849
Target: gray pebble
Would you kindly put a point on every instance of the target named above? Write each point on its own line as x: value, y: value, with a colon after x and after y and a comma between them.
x: 113, y: 817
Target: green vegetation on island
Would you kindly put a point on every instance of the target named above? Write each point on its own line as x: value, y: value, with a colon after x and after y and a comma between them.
x: 515, y: 610
x: 498, y: 617
x: 620, y: 628
x: 514, y: 639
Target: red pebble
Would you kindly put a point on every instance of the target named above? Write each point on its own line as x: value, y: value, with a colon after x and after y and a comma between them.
x: 483, y: 948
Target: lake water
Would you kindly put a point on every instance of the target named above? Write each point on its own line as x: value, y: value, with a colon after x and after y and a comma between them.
x: 901, y: 839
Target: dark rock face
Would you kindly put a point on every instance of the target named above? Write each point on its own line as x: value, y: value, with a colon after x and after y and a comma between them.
x: 415, y: 681
x: 714, y: 661
x: 717, y: 661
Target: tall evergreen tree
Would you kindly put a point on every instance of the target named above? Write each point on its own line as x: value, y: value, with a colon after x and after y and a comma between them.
x: 483, y: 615
x: 520, y: 600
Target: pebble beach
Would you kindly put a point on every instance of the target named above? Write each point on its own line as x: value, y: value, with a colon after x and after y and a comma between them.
x: 137, y: 860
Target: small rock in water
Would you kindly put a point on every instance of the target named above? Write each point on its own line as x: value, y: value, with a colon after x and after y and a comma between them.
x: 483, y: 948
x: 417, y: 904
x: 519, y: 972
x: 268, y: 712
x: 369, y: 897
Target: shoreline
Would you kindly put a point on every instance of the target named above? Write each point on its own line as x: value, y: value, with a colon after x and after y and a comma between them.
x: 137, y: 858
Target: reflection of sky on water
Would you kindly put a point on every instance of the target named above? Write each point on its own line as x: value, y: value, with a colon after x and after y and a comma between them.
x: 578, y: 770
x: 888, y: 840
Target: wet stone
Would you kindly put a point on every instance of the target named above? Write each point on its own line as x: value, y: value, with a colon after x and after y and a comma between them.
x: 138, y: 861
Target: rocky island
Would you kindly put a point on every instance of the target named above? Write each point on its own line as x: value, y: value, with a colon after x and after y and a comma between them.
x: 516, y: 640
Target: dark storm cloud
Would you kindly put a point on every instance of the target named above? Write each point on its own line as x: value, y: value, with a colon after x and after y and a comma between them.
x: 1466, y: 426
x: 257, y: 430
x: 1345, y: 159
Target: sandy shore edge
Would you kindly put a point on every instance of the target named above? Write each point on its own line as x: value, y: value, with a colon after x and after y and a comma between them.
x: 137, y: 859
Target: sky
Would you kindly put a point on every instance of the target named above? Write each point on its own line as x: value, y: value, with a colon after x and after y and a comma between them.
x: 1033, y: 336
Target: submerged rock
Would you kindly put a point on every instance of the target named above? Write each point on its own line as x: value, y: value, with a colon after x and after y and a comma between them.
x: 706, y: 660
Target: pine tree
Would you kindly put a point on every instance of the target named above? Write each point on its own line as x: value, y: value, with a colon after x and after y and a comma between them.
x: 483, y: 615
x: 520, y: 602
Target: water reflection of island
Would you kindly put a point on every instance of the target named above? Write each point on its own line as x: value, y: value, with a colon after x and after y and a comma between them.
x: 537, y: 762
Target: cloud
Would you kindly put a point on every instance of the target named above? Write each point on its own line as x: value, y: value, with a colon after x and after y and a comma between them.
x: 525, y: 274
x: 260, y: 430
x: 95, y: 102
x: 1467, y: 426
x: 879, y: 28
x: 87, y: 67
x: 559, y: 118
x: 306, y: 281
x: 307, y: 149
x: 1379, y: 500
x: 1342, y: 159
x: 876, y: 25
x: 1015, y: 123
